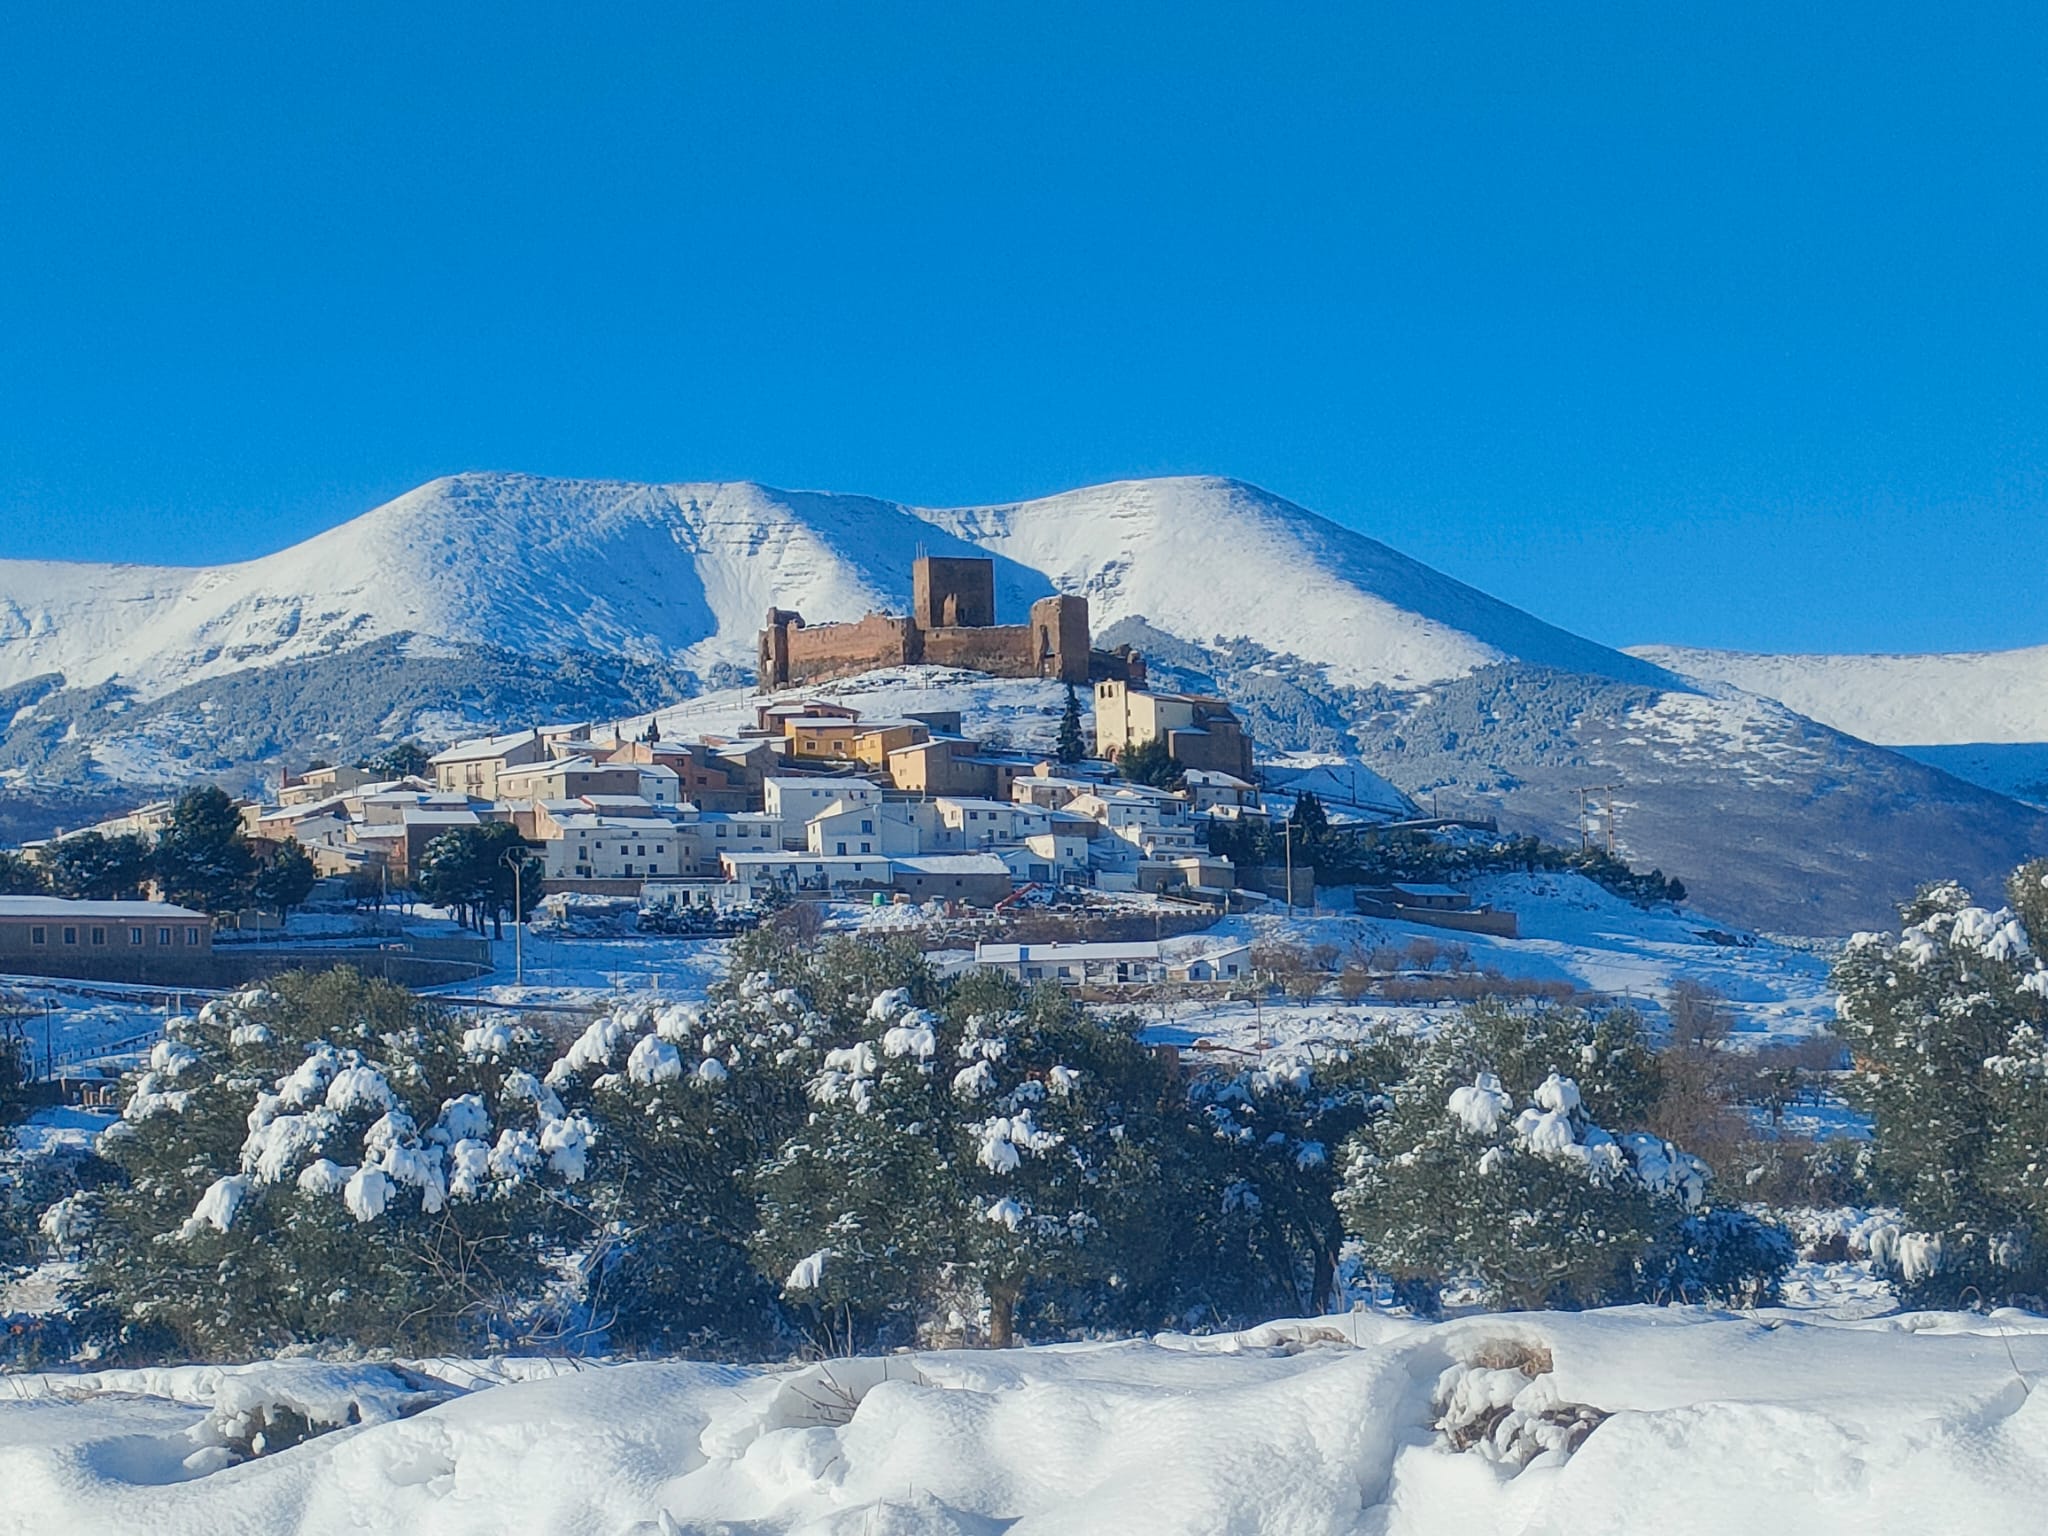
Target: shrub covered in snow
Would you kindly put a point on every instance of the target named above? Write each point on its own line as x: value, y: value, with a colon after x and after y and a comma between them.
x: 691, y: 1100
x: 1495, y: 1167
x: 1002, y: 1147
x: 323, y: 1159
x: 1270, y: 1172
x: 1948, y: 1023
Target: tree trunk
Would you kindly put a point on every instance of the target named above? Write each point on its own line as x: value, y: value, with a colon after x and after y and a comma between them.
x: 1002, y: 1316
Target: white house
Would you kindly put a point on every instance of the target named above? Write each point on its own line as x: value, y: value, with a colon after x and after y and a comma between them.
x: 974, y: 823
x: 717, y: 833
x: 590, y: 846
x: 1152, y: 821
x: 1228, y: 963
x: 1058, y: 857
x: 852, y: 829
x: 1125, y: 964
x: 794, y: 801
x: 1209, y: 788
x: 820, y: 873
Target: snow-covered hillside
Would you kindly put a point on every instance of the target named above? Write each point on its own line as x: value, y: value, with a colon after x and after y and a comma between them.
x: 1634, y: 1420
x: 1928, y: 700
x: 682, y: 574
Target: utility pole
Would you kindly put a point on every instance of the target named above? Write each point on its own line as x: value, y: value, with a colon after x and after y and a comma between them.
x: 514, y: 859
x: 1287, y: 837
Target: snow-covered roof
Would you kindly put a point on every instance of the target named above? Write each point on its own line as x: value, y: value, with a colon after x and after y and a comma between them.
x: 484, y: 747
x: 953, y: 864
x: 976, y: 803
x: 832, y: 860
x: 59, y: 907
x: 592, y: 822
x: 1211, y: 778
x: 1012, y: 954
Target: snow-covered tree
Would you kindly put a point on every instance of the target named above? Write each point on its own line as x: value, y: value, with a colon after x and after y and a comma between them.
x: 329, y: 1159
x: 1495, y: 1168
x: 1275, y: 1132
x: 1947, y: 1022
x: 1003, y: 1148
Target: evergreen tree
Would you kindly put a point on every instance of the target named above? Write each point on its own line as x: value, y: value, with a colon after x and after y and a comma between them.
x: 401, y: 760
x: 287, y: 879
x: 1150, y: 762
x: 1275, y: 1134
x: 1544, y: 1207
x: 89, y: 866
x: 1311, y: 824
x: 691, y: 1104
x: 21, y: 875
x: 1070, y: 748
x: 1948, y: 1026
x: 331, y: 1160
x: 202, y: 858
x: 470, y: 870
x: 1002, y: 1152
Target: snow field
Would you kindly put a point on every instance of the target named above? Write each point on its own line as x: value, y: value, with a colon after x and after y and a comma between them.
x: 1700, y: 1422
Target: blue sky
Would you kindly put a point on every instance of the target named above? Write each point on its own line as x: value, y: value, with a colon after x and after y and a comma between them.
x: 1705, y: 324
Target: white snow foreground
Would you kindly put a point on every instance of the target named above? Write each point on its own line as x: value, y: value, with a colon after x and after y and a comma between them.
x: 1630, y: 1420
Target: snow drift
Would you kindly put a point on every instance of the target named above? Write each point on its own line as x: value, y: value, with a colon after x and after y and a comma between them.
x: 1624, y: 1421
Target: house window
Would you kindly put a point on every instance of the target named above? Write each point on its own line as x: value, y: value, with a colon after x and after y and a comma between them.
x: 134, y: 935
x: 867, y: 847
x: 163, y: 935
x: 721, y: 829
x: 192, y: 935
x: 70, y: 935
x: 39, y: 935
x: 99, y: 935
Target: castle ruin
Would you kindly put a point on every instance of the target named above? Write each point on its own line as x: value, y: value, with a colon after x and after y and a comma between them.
x: 952, y: 623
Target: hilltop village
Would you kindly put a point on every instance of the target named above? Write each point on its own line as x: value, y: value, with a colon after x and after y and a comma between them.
x: 1141, y: 794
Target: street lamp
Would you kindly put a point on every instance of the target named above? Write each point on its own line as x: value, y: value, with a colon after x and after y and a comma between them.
x: 514, y: 859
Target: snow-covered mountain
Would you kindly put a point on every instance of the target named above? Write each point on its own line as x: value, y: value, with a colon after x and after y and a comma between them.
x: 682, y: 574
x: 1951, y: 699
x: 482, y: 599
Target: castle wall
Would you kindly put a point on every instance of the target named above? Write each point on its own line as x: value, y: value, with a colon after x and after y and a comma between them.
x: 961, y: 593
x: 820, y: 651
x: 1002, y: 649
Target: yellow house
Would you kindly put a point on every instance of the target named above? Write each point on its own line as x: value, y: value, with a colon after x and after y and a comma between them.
x: 818, y: 736
x: 874, y: 743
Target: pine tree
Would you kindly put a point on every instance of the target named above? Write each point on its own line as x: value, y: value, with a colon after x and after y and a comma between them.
x: 1948, y: 1026
x: 202, y: 858
x: 401, y: 760
x: 21, y: 875
x: 1495, y: 1165
x: 327, y: 1159
x: 1070, y: 747
x: 287, y: 879
x: 90, y: 866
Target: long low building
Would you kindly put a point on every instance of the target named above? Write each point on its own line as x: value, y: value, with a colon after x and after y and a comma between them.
x: 1098, y: 964
x: 113, y: 940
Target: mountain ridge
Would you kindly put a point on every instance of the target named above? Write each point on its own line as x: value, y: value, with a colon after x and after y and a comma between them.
x: 682, y: 574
